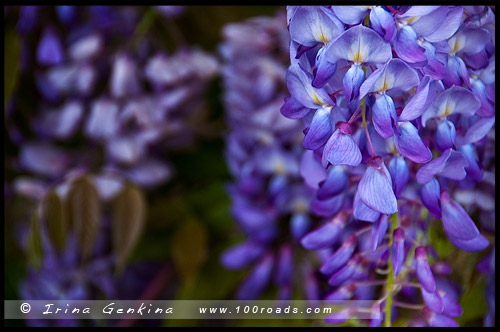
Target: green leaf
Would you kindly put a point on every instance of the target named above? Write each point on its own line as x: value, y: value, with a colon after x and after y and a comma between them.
x: 439, y: 240
x: 189, y: 248
x: 11, y: 62
x: 34, y: 245
x: 473, y: 304
x: 129, y: 216
x: 84, y: 212
x: 55, y: 219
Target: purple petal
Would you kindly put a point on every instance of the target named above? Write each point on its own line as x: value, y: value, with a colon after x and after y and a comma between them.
x: 456, y: 73
x: 459, y: 227
x: 407, y: 48
x: 324, y: 70
x: 450, y: 305
x: 293, y: 109
x: 363, y: 212
x: 450, y: 164
x: 438, y: 320
x: 313, y: 24
x: 398, y: 250
x: 350, y: 14
x: 103, y: 119
x: 419, y: 103
x: 241, y: 255
x: 384, y: 115
x: 378, y: 231
x: 396, y: 75
x: 299, y: 85
x: 324, y: 236
x: 410, y: 145
x: 319, y: 130
x: 476, y: 244
x: 352, y: 81
x: 341, y: 149
x: 431, y: 197
x: 474, y: 170
x: 340, y: 256
x: 336, y: 182
x: 124, y: 78
x: 435, y: 66
x: 418, y: 11
x: 433, y: 301
x: 454, y: 100
x: 477, y: 131
x: 470, y: 40
x: 423, y: 270
x: 359, y: 44
x: 345, y: 272
x: 284, y: 266
x: 300, y: 224
x: 445, y: 137
x: 428, y: 24
x: 43, y: 159
x: 375, y: 188
x: 383, y: 22
x: 456, y: 221
x: 399, y: 174
x: 328, y: 207
x: 311, y: 170
x: 450, y: 25
x: 50, y: 50
x: 257, y: 280
x: 150, y: 173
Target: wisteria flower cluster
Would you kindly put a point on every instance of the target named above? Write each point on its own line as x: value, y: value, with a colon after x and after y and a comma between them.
x: 129, y: 100
x: 397, y: 103
x: 269, y: 200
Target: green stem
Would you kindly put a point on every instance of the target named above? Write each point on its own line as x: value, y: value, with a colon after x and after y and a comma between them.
x: 390, y: 276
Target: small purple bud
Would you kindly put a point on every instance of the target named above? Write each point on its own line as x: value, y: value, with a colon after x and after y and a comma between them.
x: 437, y: 320
x: 345, y: 272
x: 431, y: 197
x: 341, y: 255
x: 284, y: 268
x: 398, y: 250
x: 441, y: 268
x: 326, y: 235
x: 335, y: 183
x: 459, y: 227
x: 445, y: 135
x: 450, y: 306
x: 433, y: 301
x: 399, y: 174
x: 257, y: 280
x: 424, y: 273
x: 352, y: 81
x: 300, y: 224
x: 50, y: 50
x: 378, y: 230
x: 241, y: 255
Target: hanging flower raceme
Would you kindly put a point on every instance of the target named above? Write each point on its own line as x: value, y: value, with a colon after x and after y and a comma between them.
x: 270, y: 202
x: 135, y: 104
x: 397, y: 106
x: 105, y: 110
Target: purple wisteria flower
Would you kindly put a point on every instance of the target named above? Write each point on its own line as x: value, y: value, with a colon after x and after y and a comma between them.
x: 401, y: 99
